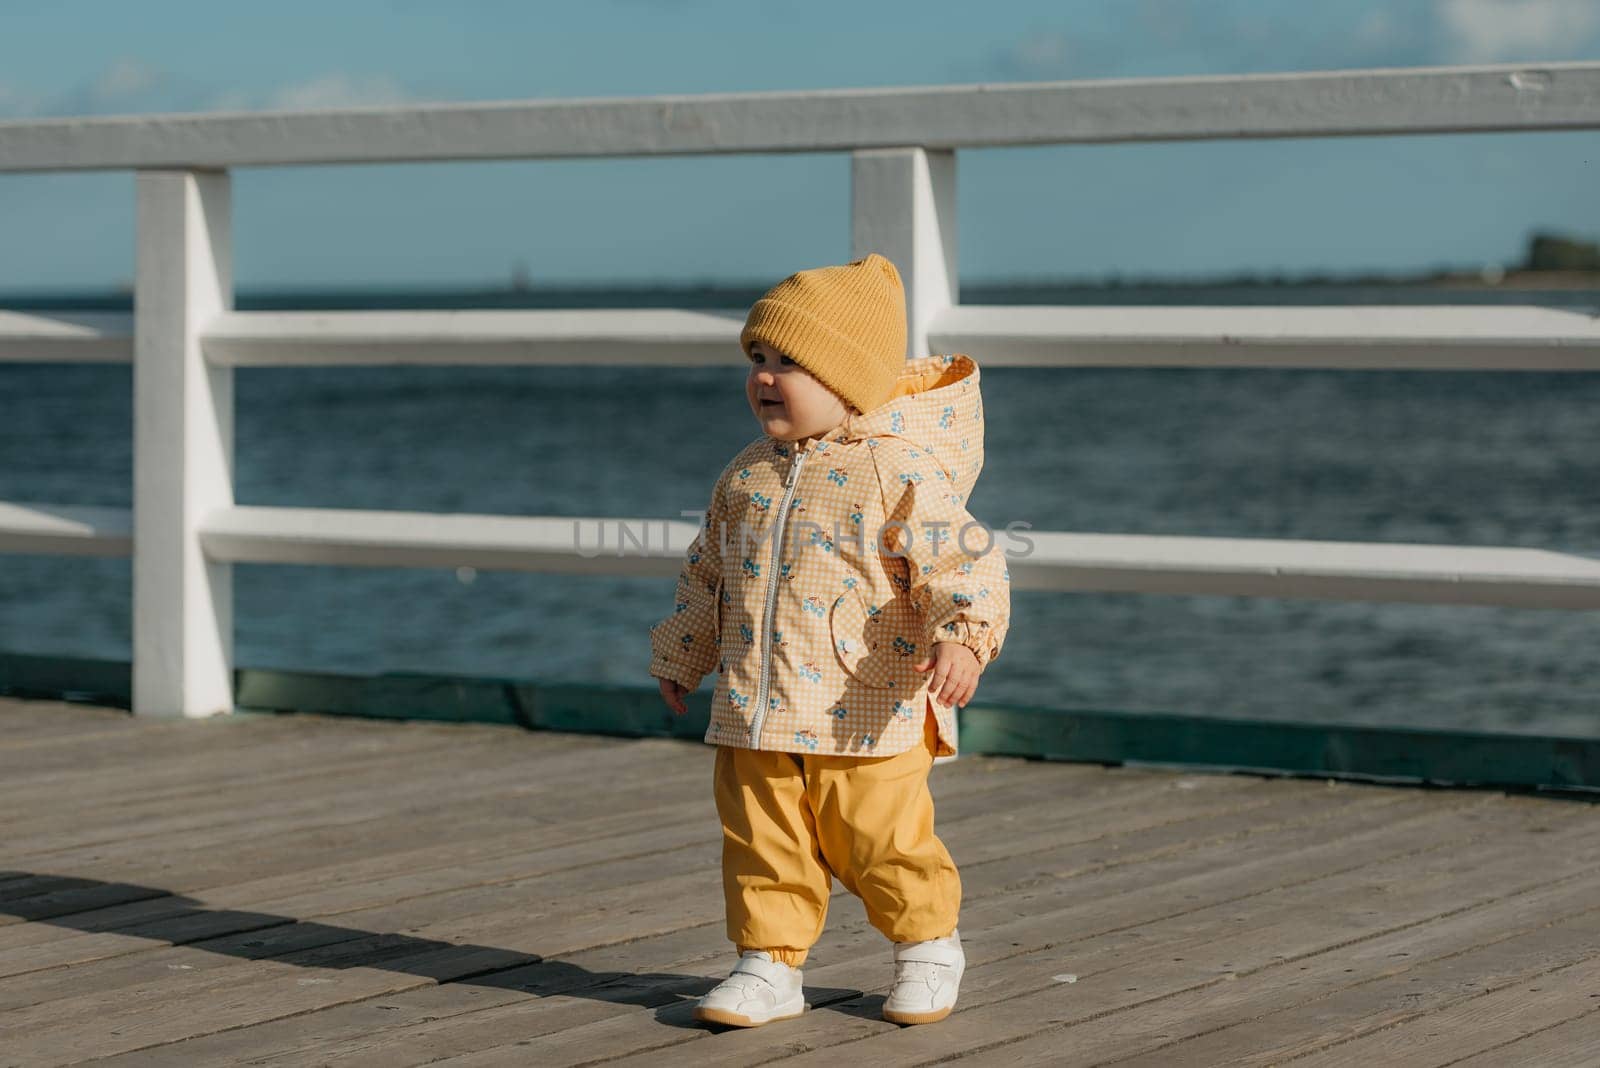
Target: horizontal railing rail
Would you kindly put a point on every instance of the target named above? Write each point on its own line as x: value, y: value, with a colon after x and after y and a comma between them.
x: 1356, y: 337
x: 1341, y: 103
x: 184, y: 337
x: 645, y: 546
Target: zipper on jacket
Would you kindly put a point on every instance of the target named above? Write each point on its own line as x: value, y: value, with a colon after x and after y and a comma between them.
x: 770, y: 604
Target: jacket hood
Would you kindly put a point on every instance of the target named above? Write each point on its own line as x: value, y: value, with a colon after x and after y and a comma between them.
x: 936, y: 406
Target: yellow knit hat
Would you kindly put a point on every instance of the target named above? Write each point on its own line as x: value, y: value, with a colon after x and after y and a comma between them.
x: 844, y: 324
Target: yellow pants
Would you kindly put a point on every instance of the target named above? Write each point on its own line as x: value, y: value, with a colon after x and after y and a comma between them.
x: 792, y: 821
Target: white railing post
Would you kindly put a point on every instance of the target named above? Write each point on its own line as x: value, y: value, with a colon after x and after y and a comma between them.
x: 903, y: 206
x: 182, y: 446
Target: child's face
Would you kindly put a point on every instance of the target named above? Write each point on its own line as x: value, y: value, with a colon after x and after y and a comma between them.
x: 803, y: 406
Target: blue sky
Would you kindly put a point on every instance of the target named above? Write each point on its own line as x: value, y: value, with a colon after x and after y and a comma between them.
x: 1341, y: 205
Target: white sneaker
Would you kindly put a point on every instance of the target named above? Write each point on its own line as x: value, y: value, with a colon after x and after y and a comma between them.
x: 759, y: 990
x: 927, y: 976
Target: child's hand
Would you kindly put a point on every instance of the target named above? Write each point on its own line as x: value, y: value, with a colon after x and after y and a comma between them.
x: 672, y: 693
x: 955, y: 672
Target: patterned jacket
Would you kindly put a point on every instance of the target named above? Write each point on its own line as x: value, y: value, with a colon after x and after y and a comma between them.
x: 825, y: 568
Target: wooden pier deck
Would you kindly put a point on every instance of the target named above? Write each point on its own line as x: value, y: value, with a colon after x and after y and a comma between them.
x: 307, y: 890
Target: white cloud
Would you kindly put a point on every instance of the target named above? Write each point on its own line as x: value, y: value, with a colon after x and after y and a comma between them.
x: 1486, y: 31
x: 1170, y: 37
x: 129, y: 86
x: 339, y: 91
x: 328, y: 91
x: 1045, y: 53
x: 1375, y: 28
x: 18, y: 103
x: 125, y: 77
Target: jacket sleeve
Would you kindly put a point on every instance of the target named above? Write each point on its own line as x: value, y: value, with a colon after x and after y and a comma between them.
x: 955, y: 564
x: 684, y: 645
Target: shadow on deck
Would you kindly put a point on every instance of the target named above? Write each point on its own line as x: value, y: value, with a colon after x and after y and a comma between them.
x: 303, y: 889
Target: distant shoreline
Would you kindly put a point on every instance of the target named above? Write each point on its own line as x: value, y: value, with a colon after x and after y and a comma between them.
x: 1521, y: 280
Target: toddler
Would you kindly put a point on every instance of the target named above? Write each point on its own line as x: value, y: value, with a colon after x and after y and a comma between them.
x: 848, y: 603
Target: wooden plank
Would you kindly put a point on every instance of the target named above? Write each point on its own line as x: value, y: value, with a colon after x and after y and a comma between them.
x: 513, y: 1016
x: 1007, y: 922
x: 1154, y: 828
x: 455, y: 1017
x: 301, y: 815
x: 1482, y: 991
x: 327, y: 963
x: 55, y: 836
x: 1550, y: 96
x: 522, y: 1022
x: 496, y: 1009
x: 480, y: 916
x: 23, y: 720
x: 388, y: 778
x: 551, y: 906
x: 591, y: 1004
x: 126, y: 777
x: 346, y: 870
x: 66, y: 840
x: 180, y: 870
x: 180, y: 766
x: 233, y: 854
x: 493, y: 914
x: 196, y: 747
x: 218, y: 773
x: 107, y: 962
x: 1120, y: 969
x: 1104, y: 869
x: 293, y: 774
x: 292, y: 884
x: 697, y: 870
x: 612, y: 1039
x: 1292, y: 1006
x: 586, y: 1008
x: 153, y: 747
x: 1574, y: 1044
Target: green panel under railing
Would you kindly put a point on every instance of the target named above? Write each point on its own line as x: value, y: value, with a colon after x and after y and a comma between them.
x: 1325, y: 750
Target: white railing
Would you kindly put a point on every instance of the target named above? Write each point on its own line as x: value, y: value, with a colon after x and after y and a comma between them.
x: 184, y: 339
